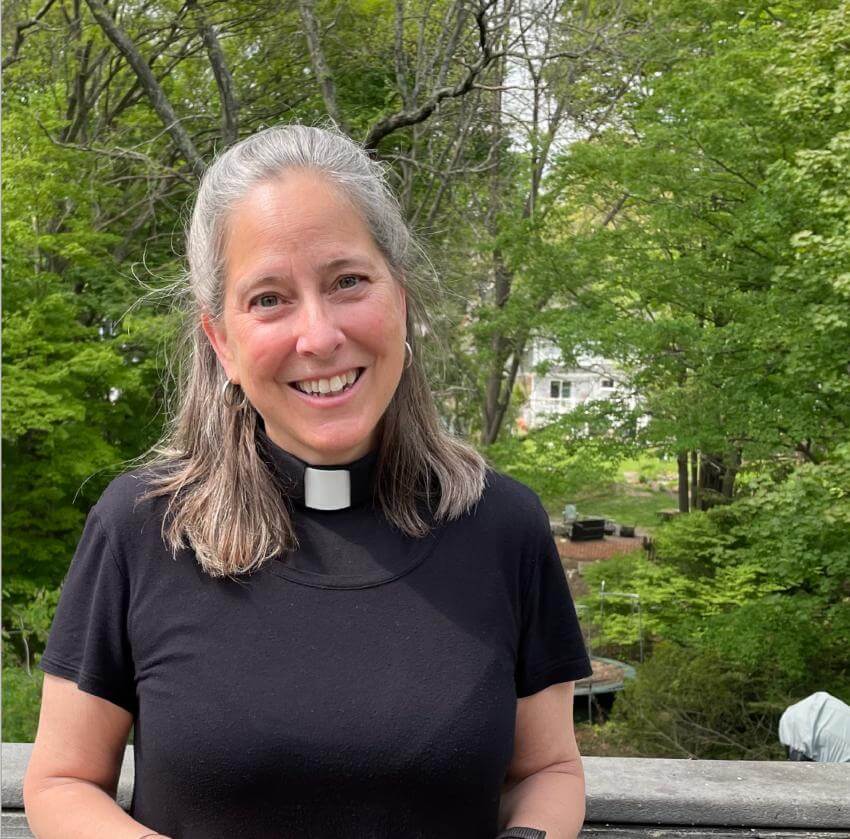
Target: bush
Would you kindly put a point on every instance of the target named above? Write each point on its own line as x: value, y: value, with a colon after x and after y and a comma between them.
x: 551, y: 466
x: 27, y: 616
x: 780, y: 643
x: 722, y: 695
x: 667, y: 600
x: 746, y: 609
x: 688, y: 701
x: 21, y: 704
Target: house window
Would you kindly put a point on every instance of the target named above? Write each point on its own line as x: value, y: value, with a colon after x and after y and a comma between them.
x: 559, y: 389
x: 608, y: 384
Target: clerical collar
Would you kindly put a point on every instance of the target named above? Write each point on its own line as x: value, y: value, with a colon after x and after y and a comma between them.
x: 322, y: 487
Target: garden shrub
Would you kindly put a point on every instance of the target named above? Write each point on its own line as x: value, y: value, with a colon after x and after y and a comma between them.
x: 21, y: 704
x: 688, y: 701
x: 746, y: 609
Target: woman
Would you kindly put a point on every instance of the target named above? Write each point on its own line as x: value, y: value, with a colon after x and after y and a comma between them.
x: 324, y: 615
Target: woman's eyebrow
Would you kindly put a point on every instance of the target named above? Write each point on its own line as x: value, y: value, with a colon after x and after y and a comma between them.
x: 357, y: 260
x: 277, y: 271
x: 245, y: 285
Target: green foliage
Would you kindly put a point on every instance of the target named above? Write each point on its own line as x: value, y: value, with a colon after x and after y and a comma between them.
x: 28, y: 612
x: 785, y: 644
x: 746, y: 608
x: 720, y: 696
x: 720, y: 281
x: 688, y: 702
x: 21, y: 704
x: 27, y: 616
x: 72, y: 403
x: 720, y: 284
x: 556, y: 461
x: 789, y: 538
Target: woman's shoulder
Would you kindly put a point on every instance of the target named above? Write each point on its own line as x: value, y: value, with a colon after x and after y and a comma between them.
x: 510, y: 501
x: 504, y: 493
x: 127, y: 503
x: 509, y: 527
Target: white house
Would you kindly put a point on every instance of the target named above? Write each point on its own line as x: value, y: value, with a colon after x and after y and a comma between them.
x: 561, y: 389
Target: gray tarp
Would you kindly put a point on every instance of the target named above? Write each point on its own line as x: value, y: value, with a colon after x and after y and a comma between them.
x: 818, y: 726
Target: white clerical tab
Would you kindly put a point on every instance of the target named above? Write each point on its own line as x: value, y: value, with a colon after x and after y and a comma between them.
x: 327, y: 489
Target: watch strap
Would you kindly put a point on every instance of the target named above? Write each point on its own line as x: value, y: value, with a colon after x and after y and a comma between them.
x: 522, y: 833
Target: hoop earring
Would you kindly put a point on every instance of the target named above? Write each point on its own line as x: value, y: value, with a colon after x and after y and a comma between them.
x: 227, y: 396
x: 409, y: 350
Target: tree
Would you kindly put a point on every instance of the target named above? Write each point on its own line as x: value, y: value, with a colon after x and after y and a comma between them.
x: 715, y: 285
x: 111, y: 114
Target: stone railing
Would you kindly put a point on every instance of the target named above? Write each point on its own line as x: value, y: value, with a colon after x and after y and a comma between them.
x: 629, y: 798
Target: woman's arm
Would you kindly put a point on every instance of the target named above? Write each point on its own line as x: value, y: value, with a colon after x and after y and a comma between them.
x: 544, y: 787
x: 75, y: 809
x: 72, y: 777
x: 551, y: 800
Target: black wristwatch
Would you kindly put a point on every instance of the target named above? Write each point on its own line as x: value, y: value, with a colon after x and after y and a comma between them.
x: 522, y: 833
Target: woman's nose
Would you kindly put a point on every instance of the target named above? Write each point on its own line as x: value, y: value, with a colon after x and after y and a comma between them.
x: 318, y: 333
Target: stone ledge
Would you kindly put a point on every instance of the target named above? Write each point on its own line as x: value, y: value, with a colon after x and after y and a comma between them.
x: 629, y: 798
x: 719, y: 793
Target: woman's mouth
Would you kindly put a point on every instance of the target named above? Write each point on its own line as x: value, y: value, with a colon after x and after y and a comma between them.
x: 330, y: 390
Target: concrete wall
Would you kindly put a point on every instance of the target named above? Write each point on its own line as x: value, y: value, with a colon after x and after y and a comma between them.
x: 631, y: 797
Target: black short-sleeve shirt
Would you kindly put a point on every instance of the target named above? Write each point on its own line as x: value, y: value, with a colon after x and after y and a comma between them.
x: 362, y: 686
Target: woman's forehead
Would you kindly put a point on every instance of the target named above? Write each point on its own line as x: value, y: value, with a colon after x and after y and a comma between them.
x: 300, y: 215
x: 296, y: 196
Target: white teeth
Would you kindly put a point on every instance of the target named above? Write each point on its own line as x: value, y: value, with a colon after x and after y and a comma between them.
x: 333, y: 385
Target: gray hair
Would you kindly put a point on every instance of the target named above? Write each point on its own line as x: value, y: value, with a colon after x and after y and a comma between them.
x: 223, y: 500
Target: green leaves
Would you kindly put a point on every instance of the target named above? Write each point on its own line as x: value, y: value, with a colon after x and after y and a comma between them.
x: 787, y: 537
x: 562, y: 459
x: 759, y: 585
x: 718, y: 282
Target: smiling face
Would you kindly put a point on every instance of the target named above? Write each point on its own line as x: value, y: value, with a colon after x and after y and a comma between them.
x: 308, y: 298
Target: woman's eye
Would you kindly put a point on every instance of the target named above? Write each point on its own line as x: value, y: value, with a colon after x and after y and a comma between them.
x: 343, y: 282
x: 266, y: 301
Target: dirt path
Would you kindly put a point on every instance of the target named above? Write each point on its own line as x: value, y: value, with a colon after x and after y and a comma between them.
x: 574, y: 554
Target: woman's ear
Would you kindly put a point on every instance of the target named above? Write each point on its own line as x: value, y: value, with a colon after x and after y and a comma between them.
x: 217, y: 336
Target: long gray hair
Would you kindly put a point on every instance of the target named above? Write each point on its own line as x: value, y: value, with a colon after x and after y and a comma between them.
x: 223, y: 499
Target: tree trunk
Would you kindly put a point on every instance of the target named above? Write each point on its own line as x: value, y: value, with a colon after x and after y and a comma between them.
x: 502, y: 281
x: 324, y: 76
x: 223, y: 77
x: 711, y: 471
x: 732, y: 464
x: 682, y: 463
x: 694, y: 479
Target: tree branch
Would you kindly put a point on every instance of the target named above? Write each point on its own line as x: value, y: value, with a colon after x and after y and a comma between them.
x: 118, y: 154
x: 398, y: 54
x: 149, y: 83
x: 387, y: 125
x: 615, y: 210
x: 317, y: 58
x: 20, y: 31
x: 223, y: 78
